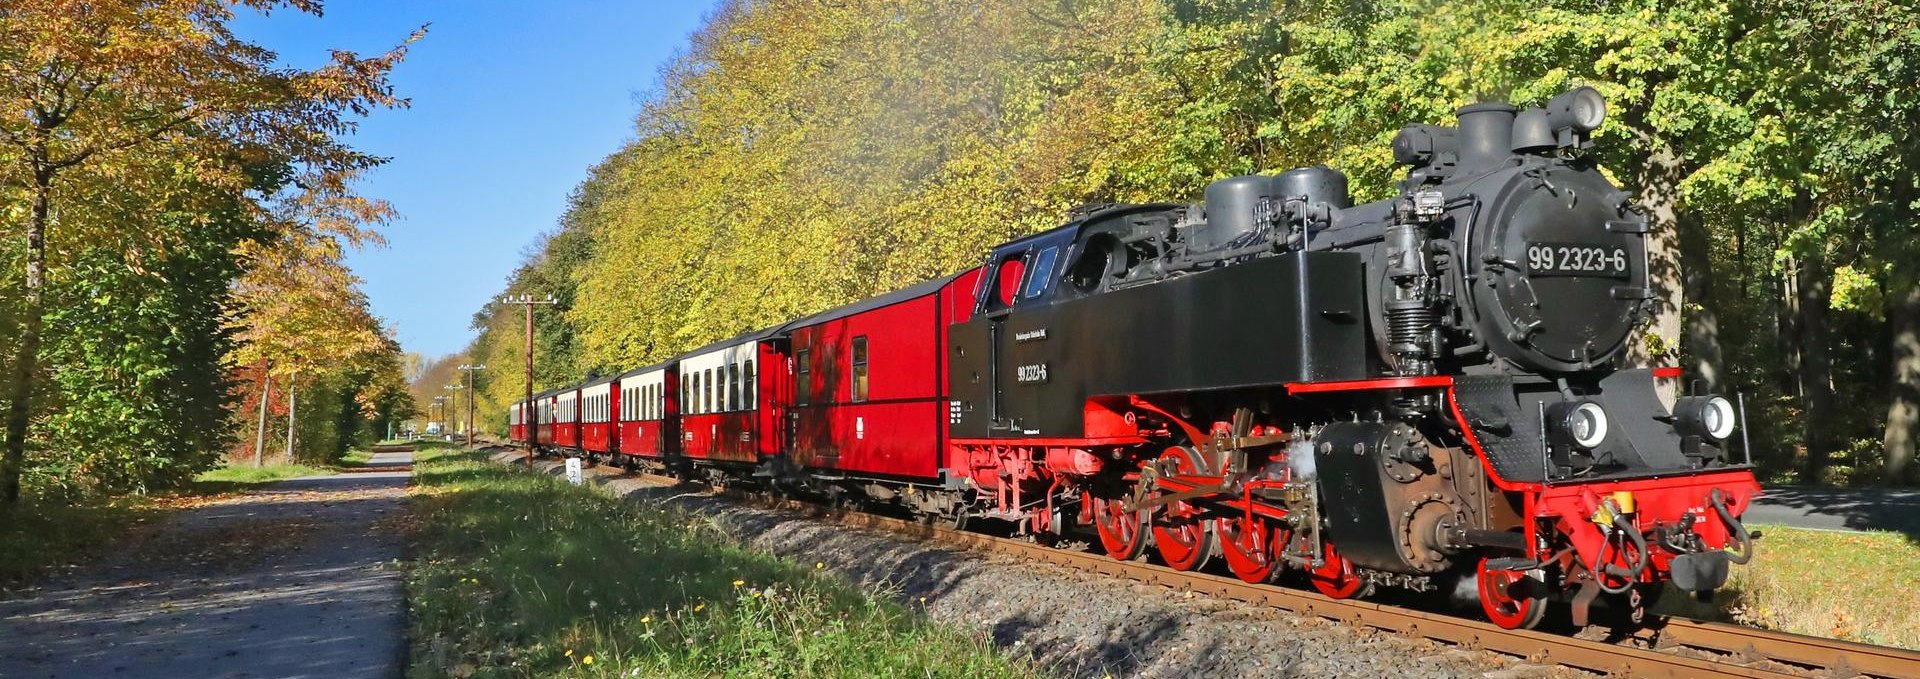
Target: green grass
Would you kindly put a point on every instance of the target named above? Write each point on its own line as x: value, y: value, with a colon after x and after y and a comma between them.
x: 242, y: 477
x: 519, y: 574
x: 1841, y: 585
x: 356, y: 458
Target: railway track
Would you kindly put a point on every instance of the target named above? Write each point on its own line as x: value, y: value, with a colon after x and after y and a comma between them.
x: 1672, y: 647
x: 1676, y: 648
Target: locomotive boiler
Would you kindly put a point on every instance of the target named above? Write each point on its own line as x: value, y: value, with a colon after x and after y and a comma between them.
x: 1428, y: 386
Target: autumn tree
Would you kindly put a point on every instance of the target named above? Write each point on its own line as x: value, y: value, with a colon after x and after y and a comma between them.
x: 91, y: 89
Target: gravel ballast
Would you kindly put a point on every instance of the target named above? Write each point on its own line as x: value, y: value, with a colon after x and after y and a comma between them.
x: 1079, y: 624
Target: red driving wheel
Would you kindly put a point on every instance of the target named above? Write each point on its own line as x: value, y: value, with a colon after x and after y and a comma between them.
x: 1335, y: 577
x: 1510, y: 599
x: 1183, y: 538
x: 1123, y: 534
x: 1252, y: 547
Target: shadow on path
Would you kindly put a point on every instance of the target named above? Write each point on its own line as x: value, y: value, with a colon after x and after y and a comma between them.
x: 295, y: 580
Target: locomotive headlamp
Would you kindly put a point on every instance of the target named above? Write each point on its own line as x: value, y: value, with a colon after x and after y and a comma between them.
x: 1708, y: 416
x: 1581, y: 423
x: 1581, y: 108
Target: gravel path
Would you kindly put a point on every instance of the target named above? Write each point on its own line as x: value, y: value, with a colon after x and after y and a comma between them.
x: 297, y: 580
x: 1084, y: 625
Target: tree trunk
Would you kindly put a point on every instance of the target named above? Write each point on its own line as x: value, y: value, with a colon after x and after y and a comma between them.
x: 293, y: 404
x: 27, y: 357
x: 1702, y: 318
x: 260, y: 433
x: 1816, y: 371
x: 1658, y: 184
x: 1903, y: 413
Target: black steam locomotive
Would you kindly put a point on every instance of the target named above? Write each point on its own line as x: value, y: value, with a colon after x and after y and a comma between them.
x: 1376, y: 394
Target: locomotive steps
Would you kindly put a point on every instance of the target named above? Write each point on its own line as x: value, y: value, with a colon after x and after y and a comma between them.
x: 1679, y: 648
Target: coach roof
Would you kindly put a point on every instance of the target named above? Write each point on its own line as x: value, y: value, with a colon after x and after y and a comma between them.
x: 921, y: 289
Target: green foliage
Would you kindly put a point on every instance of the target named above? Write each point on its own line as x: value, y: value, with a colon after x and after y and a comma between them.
x: 142, y: 396
x: 521, y: 574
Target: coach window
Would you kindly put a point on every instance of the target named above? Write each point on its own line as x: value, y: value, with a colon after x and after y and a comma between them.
x: 753, y: 387
x: 706, y: 381
x: 804, y: 386
x: 733, y: 386
x: 860, y: 369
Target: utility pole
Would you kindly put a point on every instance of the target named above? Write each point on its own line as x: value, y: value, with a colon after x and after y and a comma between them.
x: 471, y: 393
x: 527, y: 301
x: 453, y: 412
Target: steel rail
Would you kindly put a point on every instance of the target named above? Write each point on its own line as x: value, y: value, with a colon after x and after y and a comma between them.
x: 1717, y: 649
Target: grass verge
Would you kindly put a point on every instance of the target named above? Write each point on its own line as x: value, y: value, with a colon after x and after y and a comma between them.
x: 1835, y: 584
x: 518, y: 574
x: 235, y: 478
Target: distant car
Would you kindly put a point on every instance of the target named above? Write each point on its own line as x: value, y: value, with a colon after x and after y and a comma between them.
x: 433, y: 429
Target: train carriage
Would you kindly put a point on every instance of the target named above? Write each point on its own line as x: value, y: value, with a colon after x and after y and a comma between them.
x: 516, y: 423
x: 543, y: 409
x: 597, y: 403
x: 868, y: 394
x: 721, y: 391
x: 649, y: 414
x: 566, y: 418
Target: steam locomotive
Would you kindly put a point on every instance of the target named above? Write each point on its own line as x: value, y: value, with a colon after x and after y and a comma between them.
x: 1409, y: 392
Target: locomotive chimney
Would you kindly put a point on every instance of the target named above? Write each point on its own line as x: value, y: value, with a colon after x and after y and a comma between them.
x: 1486, y: 135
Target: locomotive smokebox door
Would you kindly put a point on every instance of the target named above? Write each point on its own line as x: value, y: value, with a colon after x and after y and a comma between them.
x: 1567, y: 269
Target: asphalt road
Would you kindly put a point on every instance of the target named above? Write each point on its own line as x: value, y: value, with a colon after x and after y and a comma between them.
x: 1839, y: 509
x: 297, y: 580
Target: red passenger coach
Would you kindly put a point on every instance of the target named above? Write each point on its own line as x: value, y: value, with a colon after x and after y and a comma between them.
x: 516, y: 424
x: 543, y: 420
x: 597, y: 402
x: 868, y: 391
x: 648, y: 406
x: 566, y: 418
x: 720, y: 387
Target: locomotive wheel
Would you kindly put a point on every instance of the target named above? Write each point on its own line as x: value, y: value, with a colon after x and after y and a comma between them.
x: 1335, y: 578
x: 1509, y: 599
x: 1184, y: 540
x: 1252, y: 554
x: 1123, y: 534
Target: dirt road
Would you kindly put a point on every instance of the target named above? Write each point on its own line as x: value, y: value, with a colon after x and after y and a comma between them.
x: 298, y: 580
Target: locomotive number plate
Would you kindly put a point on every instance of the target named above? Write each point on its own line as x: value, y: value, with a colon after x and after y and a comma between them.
x: 1575, y: 259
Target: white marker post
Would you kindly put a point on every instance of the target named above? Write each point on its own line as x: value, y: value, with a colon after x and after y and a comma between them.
x: 574, y: 474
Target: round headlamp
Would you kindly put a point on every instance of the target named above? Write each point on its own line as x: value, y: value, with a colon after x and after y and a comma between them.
x: 1581, y: 423
x: 1706, y: 416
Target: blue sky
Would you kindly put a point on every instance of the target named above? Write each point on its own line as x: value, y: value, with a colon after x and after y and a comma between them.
x: 512, y: 102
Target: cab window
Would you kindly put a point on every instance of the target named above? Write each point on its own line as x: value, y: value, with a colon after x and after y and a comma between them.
x: 1042, y: 273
